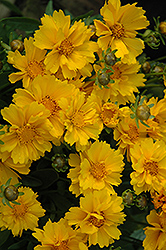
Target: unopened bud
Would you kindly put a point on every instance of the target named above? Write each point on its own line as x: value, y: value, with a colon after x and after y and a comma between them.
x: 141, y: 201
x: 11, y: 193
x: 128, y: 197
x: 59, y: 162
x: 143, y: 112
x: 146, y: 67
x: 17, y: 45
x: 104, y: 78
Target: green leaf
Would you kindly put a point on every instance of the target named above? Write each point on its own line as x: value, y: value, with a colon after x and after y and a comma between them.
x: 144, y: 124
x: 18, y: 245
x: 4, y: 236
x: 30, y: 181
x: 11, y: 6
x: 21, y: 23
x: 4, y: 80
x: 46, y: 176
x: 49, y: 8
x: 30, y: 246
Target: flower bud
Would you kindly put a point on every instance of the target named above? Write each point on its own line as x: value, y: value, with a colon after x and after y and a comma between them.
x: 158, y: 69
x: 11, y: 193
x: 143, y: 112
x: 104, y: 78
x: 146, y: 67
x: 110, y: 59
x: 17, y: 45
x: 141, y: 201
x: 162, y: 27
x: 128, y: 197
x: 59, y: 162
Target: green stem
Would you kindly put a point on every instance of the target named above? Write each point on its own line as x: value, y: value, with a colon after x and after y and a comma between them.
x: 151, y: 85
x: 160, y: 58
x: 155, y: 74
x: 152, y: 80
x: 48, y: 159
x: 64, y: 179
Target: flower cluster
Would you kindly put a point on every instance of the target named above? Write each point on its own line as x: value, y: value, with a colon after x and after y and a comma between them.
x: 82, y: 108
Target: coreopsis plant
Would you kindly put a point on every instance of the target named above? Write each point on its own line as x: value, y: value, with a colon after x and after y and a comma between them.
x: 83, y: 130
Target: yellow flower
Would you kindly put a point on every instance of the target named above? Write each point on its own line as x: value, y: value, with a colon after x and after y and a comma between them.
x: 159, y: 200
x: 156, y: 235
x: 46, y: 90
x: 58, y: 235
x: 149, y: 164
x: 108, y: 111
x: 24, y: 216
x: 28, y: 137
x: 70, y: 47
x: 80, y: 119
x: 126, y: 80
x: 30, y: 65
x: 118, y: 30
x: 127, y: 134
x: 98, y: 216
x: 157, y: 129
x: 8, y: 169
x: 99, y: 168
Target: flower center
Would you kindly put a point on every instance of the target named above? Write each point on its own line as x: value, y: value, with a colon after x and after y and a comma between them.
x: 151, y: 167
x: 62, y: 246
x: 110, y: 114
x: 35, y: 68
x: 19, y: 210
x: 50, y: 104
x: 97, y: 222
x: 98, y: 170
x: 117, y: 30
x: 65, y: 48
x: 26, y: 134
x: 78, y: 119
x: 116, y: 72
x: 133, y: 132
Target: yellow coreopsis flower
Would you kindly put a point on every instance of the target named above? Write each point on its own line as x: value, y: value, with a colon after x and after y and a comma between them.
x: 108, y: 111
x: 127, y: 133
x: 46, y: 90
x: 159, y: 200
x: 30, y: 65
x: 28, y: 137
x: 99, y: 168
x: 80, y: 119
x: 155, y: 235
x: 58, y: 235
x: 70, y: 47
x: 149, y: 164
x: 98, y: 216
x: 157, y: 125
x: 118, y: 30
x: 126, y: 82
x: 24, y: 216
x: 8, y: 169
